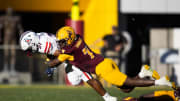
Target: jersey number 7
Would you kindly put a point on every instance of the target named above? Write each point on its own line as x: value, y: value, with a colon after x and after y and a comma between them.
x: 87, y: 51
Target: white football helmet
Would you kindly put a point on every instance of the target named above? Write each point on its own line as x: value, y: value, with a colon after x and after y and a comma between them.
x: 27, y: 40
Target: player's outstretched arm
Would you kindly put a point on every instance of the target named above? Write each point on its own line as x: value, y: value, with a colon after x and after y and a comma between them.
x: 53, y: 63
x: 61, y: 58
x: 56, y: 53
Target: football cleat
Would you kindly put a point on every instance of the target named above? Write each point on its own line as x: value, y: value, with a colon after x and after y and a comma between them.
x: 129, y: 99
x: 164, y: 81
x: 146, y: 71
x: 111, y: 98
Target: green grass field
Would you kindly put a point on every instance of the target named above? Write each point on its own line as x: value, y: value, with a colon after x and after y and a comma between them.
x: 63, y: 93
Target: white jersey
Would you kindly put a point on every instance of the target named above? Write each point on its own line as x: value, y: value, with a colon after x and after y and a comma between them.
x: 46, y: 43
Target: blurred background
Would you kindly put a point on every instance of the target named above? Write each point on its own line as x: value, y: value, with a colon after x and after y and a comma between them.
x: 132, y: 32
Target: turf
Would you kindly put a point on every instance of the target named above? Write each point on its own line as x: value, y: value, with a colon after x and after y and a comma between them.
x: 63, y: 93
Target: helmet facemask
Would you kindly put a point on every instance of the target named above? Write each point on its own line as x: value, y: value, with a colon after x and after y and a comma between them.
x: 62, y: 43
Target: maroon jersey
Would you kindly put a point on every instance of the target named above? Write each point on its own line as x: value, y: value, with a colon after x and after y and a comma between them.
x: 84, y: 57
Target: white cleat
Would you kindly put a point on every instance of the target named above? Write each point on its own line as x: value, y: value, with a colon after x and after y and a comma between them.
x: 108, y: 97
x: 146, y: 71
x: 111, y: 98
x: 164, y: 81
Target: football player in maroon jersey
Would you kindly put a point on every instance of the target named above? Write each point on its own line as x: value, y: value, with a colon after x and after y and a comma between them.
x: 75, y: 50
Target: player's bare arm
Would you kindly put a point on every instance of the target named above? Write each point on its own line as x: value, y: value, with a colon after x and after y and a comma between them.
x: 56, y: 53
x: 53, y: 63
x: 60, y: 58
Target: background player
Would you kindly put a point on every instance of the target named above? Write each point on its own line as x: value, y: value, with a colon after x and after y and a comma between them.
x: 80, y: 55
x: 164, y: 95
x: 32, y: 42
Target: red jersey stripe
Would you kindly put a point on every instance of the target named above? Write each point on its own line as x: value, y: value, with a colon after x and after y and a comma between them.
x: 46, y: 47
x: 86, y: 75
x: 49, y: 47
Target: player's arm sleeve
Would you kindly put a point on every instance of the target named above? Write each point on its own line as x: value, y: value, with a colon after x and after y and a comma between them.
x: 64, y: 57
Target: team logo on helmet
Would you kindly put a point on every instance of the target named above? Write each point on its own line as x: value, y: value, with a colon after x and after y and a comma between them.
x: 28, y: 41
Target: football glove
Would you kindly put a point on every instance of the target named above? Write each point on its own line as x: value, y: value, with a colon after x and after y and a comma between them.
x: 50, y: 71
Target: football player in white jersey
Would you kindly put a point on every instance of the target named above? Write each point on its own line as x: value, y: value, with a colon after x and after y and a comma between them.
x: 46, y: 44
x: 38, y: 42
